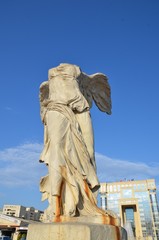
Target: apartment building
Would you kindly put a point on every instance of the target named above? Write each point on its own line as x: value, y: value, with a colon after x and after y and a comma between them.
x: 19, y: 211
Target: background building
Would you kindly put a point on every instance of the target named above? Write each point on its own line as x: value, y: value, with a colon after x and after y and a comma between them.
x: 135, y: 202
x: 19, y: 211
x: 14, y: 220
x: 14, y: 227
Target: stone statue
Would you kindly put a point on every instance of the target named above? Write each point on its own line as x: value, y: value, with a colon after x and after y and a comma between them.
x: 71, y: 185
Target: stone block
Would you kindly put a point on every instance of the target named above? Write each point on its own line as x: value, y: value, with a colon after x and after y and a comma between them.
x: 75, y: 231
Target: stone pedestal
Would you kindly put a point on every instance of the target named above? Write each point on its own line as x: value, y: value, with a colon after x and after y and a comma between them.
x: 75, y: 231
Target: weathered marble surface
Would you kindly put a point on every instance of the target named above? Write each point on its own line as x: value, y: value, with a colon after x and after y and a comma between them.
x: 75, y: 231
x: 71, y: 185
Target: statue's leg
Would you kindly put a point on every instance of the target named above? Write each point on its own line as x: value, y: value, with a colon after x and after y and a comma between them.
x: 57, y: 128
x: 84, y: 120
x: 85, y: 123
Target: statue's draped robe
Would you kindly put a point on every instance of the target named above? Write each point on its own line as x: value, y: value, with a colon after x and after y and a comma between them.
x: 68, y: 149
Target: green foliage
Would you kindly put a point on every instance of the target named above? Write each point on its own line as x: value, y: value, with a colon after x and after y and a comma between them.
x: 21, y: 235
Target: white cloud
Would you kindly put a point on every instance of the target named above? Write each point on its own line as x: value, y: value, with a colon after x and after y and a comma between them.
x: 19, y: 166
x: 8, y: 108
x: 114, y: 169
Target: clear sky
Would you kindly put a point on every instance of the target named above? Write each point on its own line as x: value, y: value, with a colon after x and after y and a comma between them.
x: 117, y: 38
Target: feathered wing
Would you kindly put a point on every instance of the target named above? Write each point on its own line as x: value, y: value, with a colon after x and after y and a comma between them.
x: 101, y: 93
x: 44, y: 97
x: 96, y: 87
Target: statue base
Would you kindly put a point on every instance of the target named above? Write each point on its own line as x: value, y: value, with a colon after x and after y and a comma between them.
x: 75, y: 231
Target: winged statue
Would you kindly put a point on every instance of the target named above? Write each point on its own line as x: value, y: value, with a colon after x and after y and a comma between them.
x: 71, y: 186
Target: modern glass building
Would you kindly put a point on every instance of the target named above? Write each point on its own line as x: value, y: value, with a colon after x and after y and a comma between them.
x: 135, y: 202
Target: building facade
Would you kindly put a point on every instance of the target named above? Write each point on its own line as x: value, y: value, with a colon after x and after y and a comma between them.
x: 135, y: 202
x: 19, y: 211
x: 14, y: 227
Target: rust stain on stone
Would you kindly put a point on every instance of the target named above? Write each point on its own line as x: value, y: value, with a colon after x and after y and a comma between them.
x: 105, y: 219
x: 117, y: 233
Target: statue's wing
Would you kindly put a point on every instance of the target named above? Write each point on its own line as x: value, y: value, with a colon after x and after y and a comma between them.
x: 100, y: 90
x: 84, y: 82
x: 96, y: 87
x: 44, y: 97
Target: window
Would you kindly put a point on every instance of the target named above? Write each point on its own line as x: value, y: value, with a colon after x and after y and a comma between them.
x: 127, y: 193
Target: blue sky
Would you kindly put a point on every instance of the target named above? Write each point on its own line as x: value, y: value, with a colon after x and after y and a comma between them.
x: 117, y: 38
